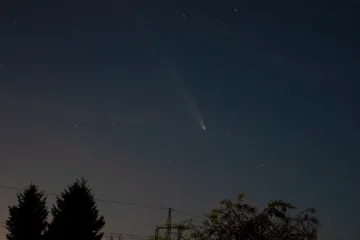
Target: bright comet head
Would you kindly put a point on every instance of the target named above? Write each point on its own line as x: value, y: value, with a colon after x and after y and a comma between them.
x: 202, y: 125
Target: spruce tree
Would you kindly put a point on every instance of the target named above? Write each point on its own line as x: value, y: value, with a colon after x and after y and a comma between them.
x: 27, y: 219
x: 75, y: 214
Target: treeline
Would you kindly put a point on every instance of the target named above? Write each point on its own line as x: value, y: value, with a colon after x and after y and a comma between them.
x: 240, y: 221
x: 75, y: 216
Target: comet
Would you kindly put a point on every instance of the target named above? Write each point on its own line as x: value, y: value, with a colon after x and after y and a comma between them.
x: 190, y: 102
x: 203, y: 126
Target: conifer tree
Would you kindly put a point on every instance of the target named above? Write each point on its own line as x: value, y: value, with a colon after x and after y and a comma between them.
x: 75, y: 214
x: 27, y: 219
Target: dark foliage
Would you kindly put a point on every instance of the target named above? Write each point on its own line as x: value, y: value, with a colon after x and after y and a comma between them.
x: 27, y: 219
x: 75, y: 215
x: 240, y: 221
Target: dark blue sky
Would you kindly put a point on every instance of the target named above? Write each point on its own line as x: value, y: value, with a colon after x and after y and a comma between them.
x: 276, y: 84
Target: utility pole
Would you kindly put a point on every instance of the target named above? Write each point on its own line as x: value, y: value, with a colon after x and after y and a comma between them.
x: 168, y: 227
x: 168, y: 224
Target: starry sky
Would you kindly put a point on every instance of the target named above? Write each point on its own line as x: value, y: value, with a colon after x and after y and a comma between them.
x: 115, y: 91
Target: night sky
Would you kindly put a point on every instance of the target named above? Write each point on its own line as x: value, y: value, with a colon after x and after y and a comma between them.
x: 115, y: 91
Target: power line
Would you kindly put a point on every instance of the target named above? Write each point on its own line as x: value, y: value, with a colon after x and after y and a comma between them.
x: 125, y: 235
x: 113, y: 202
x: 187, y: 214
x: 98, y: 199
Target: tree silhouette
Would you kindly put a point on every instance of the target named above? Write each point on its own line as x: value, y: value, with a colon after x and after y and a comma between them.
x: 75, y: 215
x: 240, y: 221
x: 27, y: 219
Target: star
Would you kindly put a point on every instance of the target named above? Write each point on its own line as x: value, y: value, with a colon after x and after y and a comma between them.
x: 217, y: 20
x: 184, y: 15
x: 113, y: 124
x: 262, y: 165
x: 77, y: 136
x: 235, y: 9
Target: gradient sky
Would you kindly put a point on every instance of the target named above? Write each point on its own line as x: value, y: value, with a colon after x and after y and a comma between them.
x: 87, y: 88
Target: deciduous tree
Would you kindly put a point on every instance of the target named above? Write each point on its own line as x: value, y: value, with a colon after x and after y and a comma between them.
x: 241, y: 221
